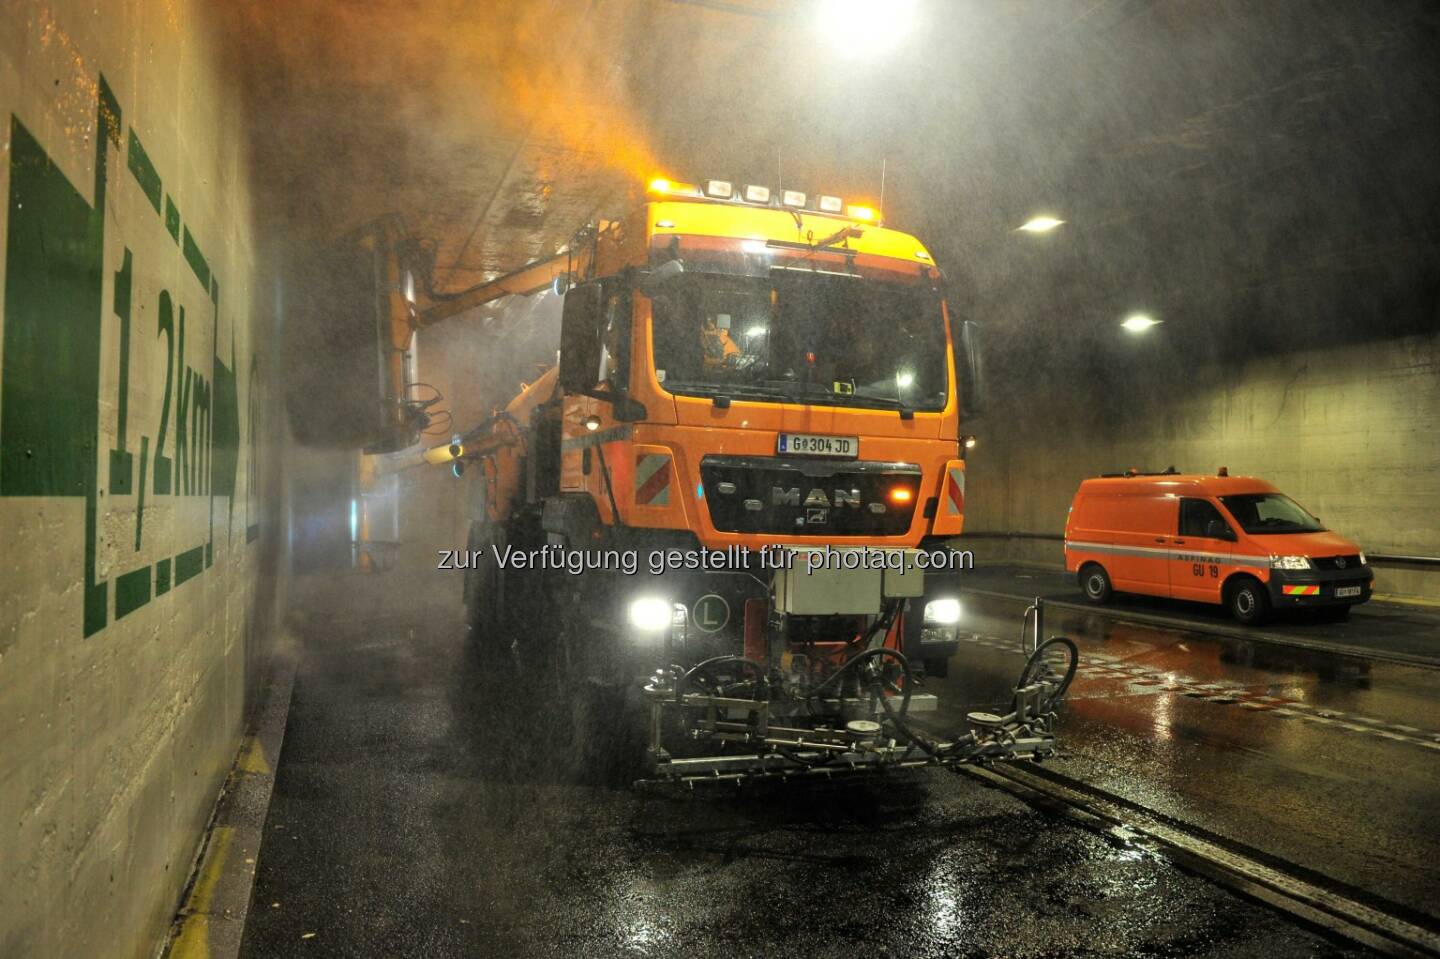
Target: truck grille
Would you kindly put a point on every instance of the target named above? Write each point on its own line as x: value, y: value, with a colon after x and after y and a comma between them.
x: 1338, y: 562
x: 762, y: 494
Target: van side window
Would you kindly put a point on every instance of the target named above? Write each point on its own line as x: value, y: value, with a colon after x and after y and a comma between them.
x: 1199, y: 517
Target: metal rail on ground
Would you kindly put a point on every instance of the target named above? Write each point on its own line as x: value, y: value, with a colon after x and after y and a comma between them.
x: 1328, y: 904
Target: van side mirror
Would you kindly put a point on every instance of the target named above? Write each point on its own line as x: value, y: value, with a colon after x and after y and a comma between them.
x: 580, y: 337
x: 970, y: 369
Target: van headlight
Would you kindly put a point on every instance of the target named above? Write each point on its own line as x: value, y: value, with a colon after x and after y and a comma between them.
x: 1289, y: 562
x: 942, y: 612
x: 650, y: 614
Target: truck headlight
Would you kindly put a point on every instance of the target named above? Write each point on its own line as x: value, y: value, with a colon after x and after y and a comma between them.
x: 1289, y: 562
x: 650, y: 614
x: 942, y: 612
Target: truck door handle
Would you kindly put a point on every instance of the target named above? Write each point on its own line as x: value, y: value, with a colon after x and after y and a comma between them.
x: 1159, y: 539
x: 1179, y: 541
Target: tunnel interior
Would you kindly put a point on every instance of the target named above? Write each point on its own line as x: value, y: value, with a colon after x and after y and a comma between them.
x: 303, y: 307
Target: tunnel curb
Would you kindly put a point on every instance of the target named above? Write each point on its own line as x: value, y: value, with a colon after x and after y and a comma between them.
x: 211, y: 921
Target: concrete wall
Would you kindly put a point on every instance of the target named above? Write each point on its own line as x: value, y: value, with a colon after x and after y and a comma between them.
x: 1348, y: 431
x: 134, y: 609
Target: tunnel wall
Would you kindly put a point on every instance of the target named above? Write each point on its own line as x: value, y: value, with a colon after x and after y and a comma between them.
x: 1348, y: 431
x: 134, y: 513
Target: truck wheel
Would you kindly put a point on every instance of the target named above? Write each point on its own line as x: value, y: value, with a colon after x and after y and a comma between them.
x: 1095, y: 583
x: 1247, y: 601
x: 485, y: 592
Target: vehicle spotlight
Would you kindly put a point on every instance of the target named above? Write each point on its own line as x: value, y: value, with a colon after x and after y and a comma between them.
x: 942, y: 612
x: 969, y: 442
x: 592, y: 422
x: 1041, y: 224
x: 859, y: 28
x: 650, y: 614
x: 1139, y: 323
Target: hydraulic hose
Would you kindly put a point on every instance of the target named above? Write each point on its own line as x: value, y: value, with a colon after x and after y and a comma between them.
x: 761, y: 679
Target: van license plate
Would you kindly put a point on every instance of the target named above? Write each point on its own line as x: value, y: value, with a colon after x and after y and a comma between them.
x: 1342, y: 591
x: 808, y: 444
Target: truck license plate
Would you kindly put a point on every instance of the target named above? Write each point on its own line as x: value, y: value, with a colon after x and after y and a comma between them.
x: 1342, y: 591
x: 808, y: 444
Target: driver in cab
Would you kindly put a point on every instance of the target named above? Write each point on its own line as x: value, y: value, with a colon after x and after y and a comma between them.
x: 715, y: 342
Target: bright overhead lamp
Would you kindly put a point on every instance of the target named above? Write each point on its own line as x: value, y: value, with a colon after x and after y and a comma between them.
x: 1041, y: 224
x: 859, y: 28
x: 757, y: 194
x: 831, y: 204
x: 1139, y: 323
x: 720, y: 189
x: 792, y: 198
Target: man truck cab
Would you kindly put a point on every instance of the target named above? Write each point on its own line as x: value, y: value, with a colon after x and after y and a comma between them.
x: 1234, y: 540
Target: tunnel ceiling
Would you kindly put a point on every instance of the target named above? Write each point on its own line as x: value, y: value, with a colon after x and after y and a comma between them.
x: 1256, y: 172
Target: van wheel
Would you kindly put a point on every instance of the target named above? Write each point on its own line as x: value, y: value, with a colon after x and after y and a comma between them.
x: 1095, y: 583
x: 1247, y: 601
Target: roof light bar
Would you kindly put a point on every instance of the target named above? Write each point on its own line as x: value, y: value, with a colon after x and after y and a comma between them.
x: 792, y: 198
x: 720, y: 189
x: 757, y: 194
x: 662, y: 185
x: 831, y: 204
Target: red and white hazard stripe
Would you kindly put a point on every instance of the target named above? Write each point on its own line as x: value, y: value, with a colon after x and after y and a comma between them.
x: 652, y: 479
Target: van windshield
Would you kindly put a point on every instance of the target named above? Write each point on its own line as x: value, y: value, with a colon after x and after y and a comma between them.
x: 1260, y: 513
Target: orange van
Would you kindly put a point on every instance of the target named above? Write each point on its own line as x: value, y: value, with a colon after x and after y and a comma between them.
x: 1225, y: 539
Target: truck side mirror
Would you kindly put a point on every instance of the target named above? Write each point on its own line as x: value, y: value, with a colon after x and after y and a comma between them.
x: 580, y: 337
x: 660, y: 277
x: 970, y: 368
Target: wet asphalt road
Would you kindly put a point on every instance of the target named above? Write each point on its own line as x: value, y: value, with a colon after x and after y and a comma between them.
x: 1393, y: 631
x: 427, y: 804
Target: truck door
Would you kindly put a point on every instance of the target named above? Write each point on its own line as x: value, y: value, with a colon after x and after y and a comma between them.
x: 1200, y: 551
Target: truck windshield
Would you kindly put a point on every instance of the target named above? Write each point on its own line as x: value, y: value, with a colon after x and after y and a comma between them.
x: 803, y: 337
x: 1270, y: 513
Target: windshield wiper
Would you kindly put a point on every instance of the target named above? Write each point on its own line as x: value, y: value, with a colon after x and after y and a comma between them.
x: 726, y: 390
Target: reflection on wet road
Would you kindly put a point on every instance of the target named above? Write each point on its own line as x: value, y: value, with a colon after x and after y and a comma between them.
x: 1330, y: 762
x: 430, y: 804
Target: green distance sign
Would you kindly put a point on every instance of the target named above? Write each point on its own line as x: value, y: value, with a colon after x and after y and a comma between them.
x: 182, y: 454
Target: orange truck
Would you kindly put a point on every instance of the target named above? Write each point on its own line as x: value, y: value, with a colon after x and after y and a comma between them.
x: 1233, y: 540
x: 741, y: 479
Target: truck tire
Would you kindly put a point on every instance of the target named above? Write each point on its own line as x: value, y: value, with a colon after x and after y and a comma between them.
x: 1095, y: 584
x: 485, y: 589
x: 937, y: 666
x: 1247, y: 600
